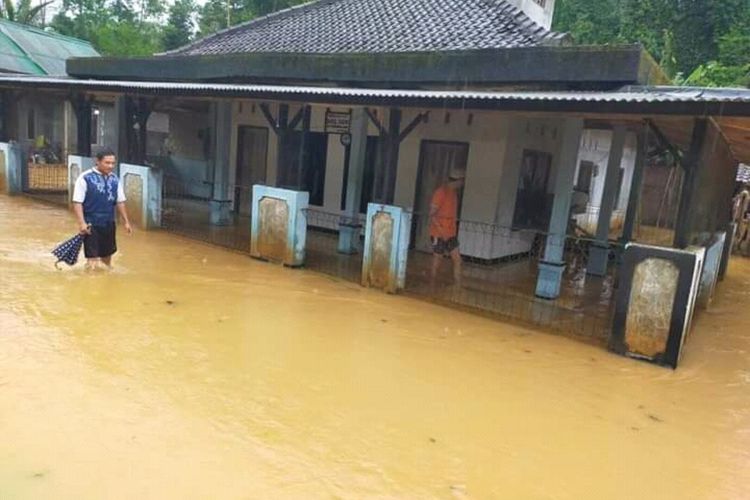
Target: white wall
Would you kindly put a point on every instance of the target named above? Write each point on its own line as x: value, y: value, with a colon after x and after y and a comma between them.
x: 486, y: 135
x: 595, y: 147
x: 540, y: 11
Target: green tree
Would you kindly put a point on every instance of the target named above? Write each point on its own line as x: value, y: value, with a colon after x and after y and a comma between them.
x: 221, y: 14
x: 706, y: 39
x: 179, y: 29
x: 23, y: 12
x: 590, y: 22
x: 126, y: 39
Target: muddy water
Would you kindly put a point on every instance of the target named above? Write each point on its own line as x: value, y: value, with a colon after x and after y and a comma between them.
x: 190, y: 372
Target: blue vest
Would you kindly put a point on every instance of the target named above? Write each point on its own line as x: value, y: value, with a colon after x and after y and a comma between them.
x: 101, y: 198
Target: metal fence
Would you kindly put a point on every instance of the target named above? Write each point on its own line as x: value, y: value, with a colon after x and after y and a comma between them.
x: 187, y: 211
x: 322, y: 250
x: 46, y: 182
x: 498, y: 276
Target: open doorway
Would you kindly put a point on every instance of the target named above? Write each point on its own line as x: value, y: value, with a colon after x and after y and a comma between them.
x: 303, y: 165
x: 252, y: 152
x: 533, y: 201
x: 436, y: 160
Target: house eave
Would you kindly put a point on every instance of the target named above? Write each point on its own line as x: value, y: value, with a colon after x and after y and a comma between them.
x: 576, y: 67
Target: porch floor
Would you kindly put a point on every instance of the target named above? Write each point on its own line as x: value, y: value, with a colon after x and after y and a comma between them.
x: 505, y: 289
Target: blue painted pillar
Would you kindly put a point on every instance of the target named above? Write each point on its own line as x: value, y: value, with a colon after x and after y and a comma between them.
x: 387, y: 234
x: 552, y: 266
x: 599, y: 252
x: 149, y: 207
x: 221, y: 199
x: 349, y: 228
x: 76, y: 166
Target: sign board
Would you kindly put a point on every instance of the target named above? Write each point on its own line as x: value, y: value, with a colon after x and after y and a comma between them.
x: 338, y: 122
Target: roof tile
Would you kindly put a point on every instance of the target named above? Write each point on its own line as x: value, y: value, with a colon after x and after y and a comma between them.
x: 376, y: 26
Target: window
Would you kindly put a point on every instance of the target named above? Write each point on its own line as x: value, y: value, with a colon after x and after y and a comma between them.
x: 533, y: 203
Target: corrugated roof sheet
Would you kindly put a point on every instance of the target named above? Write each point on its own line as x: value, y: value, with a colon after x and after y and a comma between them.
x: 631, y: 94
x: 375, y: 26
x: 29, y: 50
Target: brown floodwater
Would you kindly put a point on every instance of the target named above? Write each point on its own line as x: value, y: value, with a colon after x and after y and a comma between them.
x: 192, y: 372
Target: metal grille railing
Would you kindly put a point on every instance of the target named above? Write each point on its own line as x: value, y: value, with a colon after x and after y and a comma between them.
x: 187, y: 208
x: 47, y: 182
x: 499, y: 270
x: 322, y: 249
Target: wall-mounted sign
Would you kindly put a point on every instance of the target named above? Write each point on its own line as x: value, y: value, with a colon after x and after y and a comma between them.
x: 338, y: 122
x: 346, y: 139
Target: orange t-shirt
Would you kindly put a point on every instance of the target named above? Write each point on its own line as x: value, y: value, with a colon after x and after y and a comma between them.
x: 444, y: 223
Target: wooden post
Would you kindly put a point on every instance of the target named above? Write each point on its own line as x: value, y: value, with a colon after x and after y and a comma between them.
x: 636, y: 186
x: 304, y: 154
x: 122, y: 124
x: 392, y: 147
x: 83, y: 109
x: 141, y: 111
x: 691, y: 165
x: 5, y: 104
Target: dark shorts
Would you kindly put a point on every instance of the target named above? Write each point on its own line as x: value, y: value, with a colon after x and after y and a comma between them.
x: 101, y: 242
x: 444, y: 247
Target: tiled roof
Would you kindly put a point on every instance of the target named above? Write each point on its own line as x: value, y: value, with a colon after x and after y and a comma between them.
x: 29, y: 50
x: 376, y: 26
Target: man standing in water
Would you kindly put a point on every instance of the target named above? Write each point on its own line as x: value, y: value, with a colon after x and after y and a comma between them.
x: 97, y: 193
x: 444, y: 225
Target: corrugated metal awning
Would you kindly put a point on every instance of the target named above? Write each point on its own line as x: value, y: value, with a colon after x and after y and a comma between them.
x: 668, y: 100
x: 729, y: 107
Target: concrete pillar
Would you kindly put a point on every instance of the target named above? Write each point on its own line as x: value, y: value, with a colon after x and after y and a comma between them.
x: 599, y: 252
x: 655, y: 301
x: 552, y: 266
x: 349, y: 227
x: 143, y: 189
x: 636, y: 187
x: 221, y: 200
x: 386, y: 249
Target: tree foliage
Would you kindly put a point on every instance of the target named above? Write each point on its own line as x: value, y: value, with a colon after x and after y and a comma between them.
x: 22, y: 11
x: 699, y: 42
x: 221, y: 14
x: 180, y: 27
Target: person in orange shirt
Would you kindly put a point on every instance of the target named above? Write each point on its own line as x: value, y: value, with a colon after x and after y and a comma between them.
x: 444, y: 225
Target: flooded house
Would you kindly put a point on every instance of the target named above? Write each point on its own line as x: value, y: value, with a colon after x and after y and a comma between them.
x: 587, y: 177
x: 43, y: 124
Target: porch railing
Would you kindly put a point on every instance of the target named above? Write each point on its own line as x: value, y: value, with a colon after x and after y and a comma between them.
x: 499, y: 270
x: 322, y: 250
x: 189, y: 209
x: 46, y: 182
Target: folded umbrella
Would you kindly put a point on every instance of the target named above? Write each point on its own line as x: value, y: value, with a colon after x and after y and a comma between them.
x: 68, y: 251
